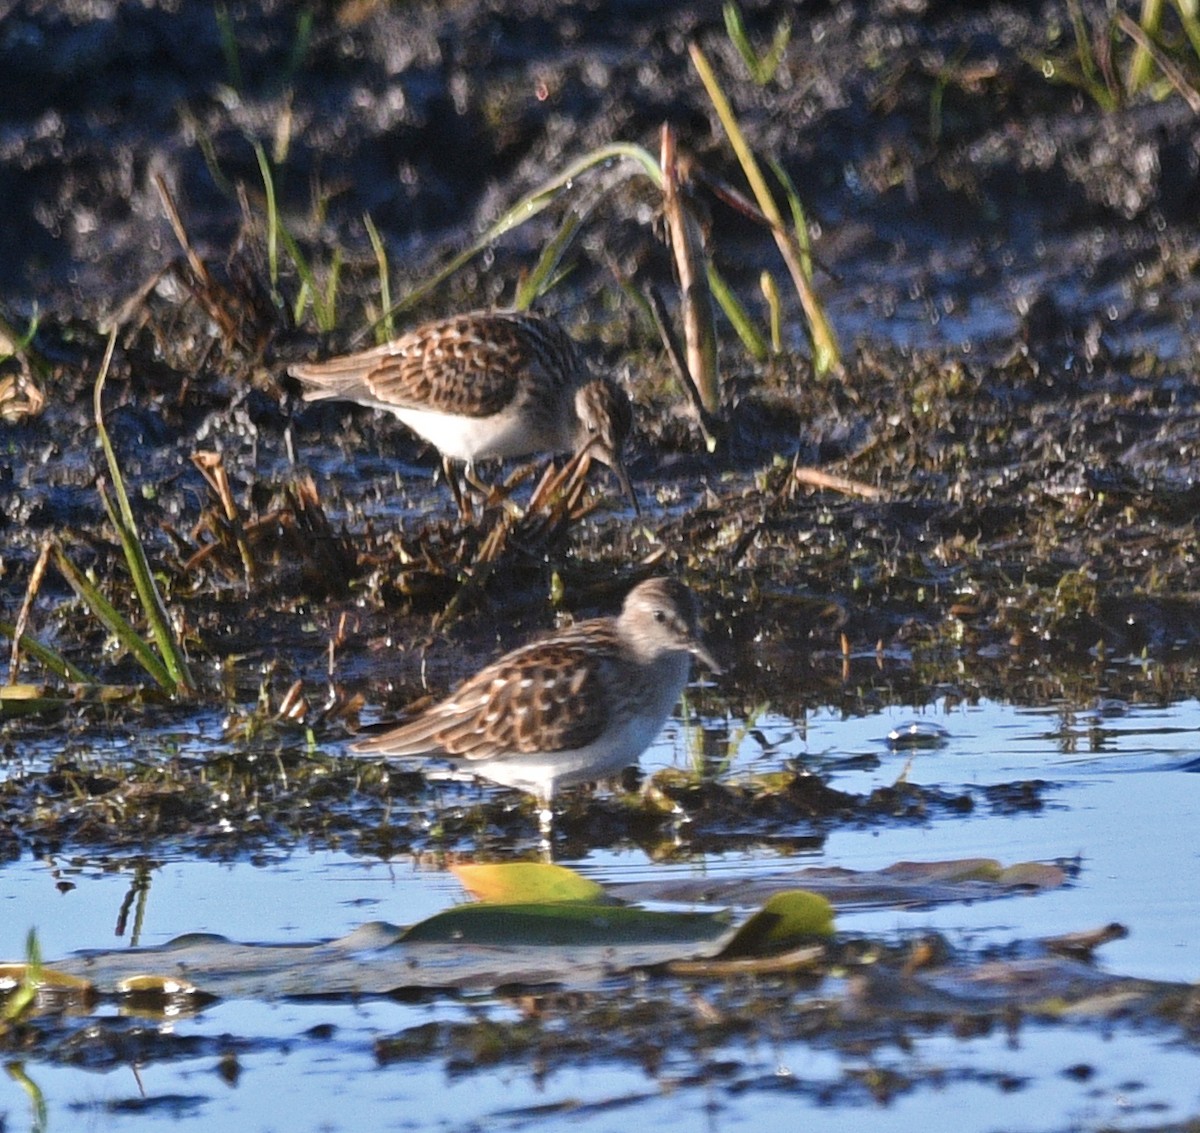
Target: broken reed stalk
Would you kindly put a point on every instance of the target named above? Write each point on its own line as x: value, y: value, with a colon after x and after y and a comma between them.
x: 817, y: 478
x: 825, y: 350
x: 687, y: 244
x: 213, y: 471
x: 35, y: 582
x: 208, y: 292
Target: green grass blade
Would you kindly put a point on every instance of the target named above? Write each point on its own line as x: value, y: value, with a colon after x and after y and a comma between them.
x: 1089, y: 77
x: 762, y: 68
x: 308, y: 280
x: 53, y: 660
x: 385, y: 285
x: 743, y: 325
x: 21, y: 1001
x: 301, y: 45
x: 113, y: 621
x: 825, y: 350
x: 779, y: 45
x: 1141, y: 66
x: 1191, y: 23
x: 135, y: 554
x: 736, y: 30
x: 21, y: 344
x: 544, y: 273
x: 799, y: 219
x: 766, y: 283
x: 268, y: 177
x: 525, y: 209
x: 302, y: 297
x: 327, y: 312
x: 229, y: 47
x: 40, y: 1118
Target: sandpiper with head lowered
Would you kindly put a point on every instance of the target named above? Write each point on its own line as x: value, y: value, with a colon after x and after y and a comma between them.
x: 485, y: 385
x: 579, y: 705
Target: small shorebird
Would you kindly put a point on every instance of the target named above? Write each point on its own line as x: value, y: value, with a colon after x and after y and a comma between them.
x: 579, y: 705
x: 484, y: 385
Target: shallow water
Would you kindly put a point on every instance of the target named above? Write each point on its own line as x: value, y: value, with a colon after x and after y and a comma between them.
x: 1121, y: 799
x: 987, y: 1083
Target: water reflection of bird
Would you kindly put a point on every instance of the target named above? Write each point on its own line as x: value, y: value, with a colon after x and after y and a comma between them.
x: 484, y: 385
x: 579, y: 705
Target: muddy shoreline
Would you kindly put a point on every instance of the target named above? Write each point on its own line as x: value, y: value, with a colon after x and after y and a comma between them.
x: 1009, y: 266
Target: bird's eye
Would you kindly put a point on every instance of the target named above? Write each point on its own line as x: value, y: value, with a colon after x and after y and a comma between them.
x: 660, y: 616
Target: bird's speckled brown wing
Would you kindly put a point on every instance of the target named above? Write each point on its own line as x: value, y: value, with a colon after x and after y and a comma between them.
x: 459, y: 366
x: 545, y: 697
x: 468, y: 364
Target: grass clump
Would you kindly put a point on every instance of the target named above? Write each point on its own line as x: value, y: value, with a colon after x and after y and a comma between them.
x: 160, y: 654
x: 1114, y: 58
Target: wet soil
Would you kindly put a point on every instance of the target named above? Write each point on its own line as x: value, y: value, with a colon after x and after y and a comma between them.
x: 1010, y: 267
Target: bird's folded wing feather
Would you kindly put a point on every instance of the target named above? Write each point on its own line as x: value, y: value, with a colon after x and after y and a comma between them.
x: 546, y: 697
x: 476, y: 378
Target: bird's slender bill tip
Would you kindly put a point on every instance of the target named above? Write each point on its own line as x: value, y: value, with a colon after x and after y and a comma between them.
x: 618, y: 468
x: 701, y: 653
x: 599, y: 448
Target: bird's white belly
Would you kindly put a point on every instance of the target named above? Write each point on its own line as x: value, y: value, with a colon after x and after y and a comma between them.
x: 621, y: 744
x: 543, y: 773
x: 503, y: 435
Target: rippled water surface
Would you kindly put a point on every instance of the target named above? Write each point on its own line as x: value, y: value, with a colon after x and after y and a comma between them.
x: 1122, y: 799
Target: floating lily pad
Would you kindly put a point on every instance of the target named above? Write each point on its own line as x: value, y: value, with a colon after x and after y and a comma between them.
x: 577, y: 923
x: 786, y: 920
x: 565, y: 931
x: 532, y: 882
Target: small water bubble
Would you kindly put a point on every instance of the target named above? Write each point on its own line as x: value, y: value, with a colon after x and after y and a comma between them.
x: 917, y: 734
x: 1109, y: 707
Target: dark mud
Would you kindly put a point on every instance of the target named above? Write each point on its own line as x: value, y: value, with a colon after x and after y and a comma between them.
x: 1010, y: 267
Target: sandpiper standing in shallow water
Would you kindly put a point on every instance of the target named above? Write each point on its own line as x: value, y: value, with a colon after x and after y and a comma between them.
x: 579, y: 705
x: 485, y: 385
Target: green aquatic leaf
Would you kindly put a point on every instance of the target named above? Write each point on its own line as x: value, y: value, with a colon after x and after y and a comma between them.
x: 527, y: 883
x: 569, y: 923
x: 29, y: 700
x: 786, y: 920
